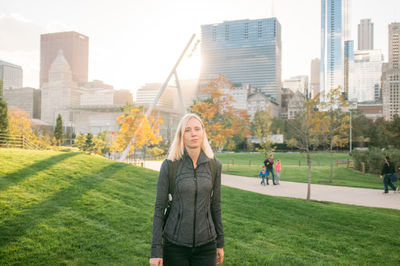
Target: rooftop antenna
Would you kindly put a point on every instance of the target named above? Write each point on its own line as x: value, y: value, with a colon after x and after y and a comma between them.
x: 160, y: 92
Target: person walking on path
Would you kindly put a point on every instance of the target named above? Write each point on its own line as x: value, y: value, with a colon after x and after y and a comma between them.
x: 278, y: 168
x: 388, y: 175
x: 263, y: 174
x: 269, y: 164
x: 191, y: 232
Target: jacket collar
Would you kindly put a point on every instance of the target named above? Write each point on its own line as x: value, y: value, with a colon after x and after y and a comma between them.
x: 202, y: 157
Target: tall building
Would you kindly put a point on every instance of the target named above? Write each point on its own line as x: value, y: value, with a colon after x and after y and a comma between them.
x: 315, y: 77
x: 348, y: 66
x: 75, y: 47
x: 391, y: 74
x: 366, y: 35
x: 27, y: 99
x: 366, y: 75
x: 297, y: 84
x: 10, y: 75
x: 59, y: 93
x: 247, y: 52
x: 335, y: 30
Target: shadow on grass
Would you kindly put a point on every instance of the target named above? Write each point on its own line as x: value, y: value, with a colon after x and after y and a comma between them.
x: 25, y: 221
x: 18, y: 176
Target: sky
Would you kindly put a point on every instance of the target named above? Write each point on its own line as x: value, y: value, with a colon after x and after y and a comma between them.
x: 133, y: 42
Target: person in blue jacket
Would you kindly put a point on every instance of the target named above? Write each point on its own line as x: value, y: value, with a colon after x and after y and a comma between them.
x: 388, y: 175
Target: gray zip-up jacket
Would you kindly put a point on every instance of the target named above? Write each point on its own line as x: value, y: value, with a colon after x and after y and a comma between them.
x: 195, y: 216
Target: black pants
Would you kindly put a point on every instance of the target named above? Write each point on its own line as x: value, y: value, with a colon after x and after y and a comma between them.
x: 205, y: 255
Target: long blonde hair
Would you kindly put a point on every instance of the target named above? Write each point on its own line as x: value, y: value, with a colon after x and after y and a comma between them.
x: 177, y: 147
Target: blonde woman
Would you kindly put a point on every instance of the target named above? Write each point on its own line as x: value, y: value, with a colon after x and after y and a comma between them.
x: 193, y: 232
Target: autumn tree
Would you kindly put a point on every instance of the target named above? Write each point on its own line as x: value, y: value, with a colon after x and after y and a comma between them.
x: 134, y: 125
x: 58, y: 130
x: 337, y: 123
x: 261, y: 128
x: 306, y: 128
x: 225, y: 125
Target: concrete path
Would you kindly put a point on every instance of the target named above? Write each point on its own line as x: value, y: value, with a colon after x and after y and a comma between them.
x: 346, y: 195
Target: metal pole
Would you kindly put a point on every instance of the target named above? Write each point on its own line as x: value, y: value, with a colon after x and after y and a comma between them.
x: 351, y: 140
x: 169, y: 77
x: 160, y: 92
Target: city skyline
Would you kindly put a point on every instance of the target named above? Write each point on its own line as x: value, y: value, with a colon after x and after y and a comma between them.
x: 139, y: 42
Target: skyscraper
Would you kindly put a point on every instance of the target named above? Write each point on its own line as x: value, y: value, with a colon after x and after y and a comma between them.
x: 247, y: 52
x: 366, y: 35
x: 391, y: 74
x: 314, y: 79
x: 75, y: 47
x: 366, y: 75
x: 10, y: 75
x: 335, y: 30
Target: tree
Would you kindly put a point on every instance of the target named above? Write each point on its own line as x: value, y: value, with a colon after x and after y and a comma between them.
x: 306, y: 127
x: 3, y: 116
x: 133, y: 123
x: 225, y: 125
x: 336, y: 122
x: 58, y: 130
x: 261, y: 128
x: 89, y: 145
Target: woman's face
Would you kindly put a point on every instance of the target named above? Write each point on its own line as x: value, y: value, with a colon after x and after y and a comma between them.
x: 193, y: 134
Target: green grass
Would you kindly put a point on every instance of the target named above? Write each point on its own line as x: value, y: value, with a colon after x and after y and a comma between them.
x: 250, y: 164
x: 75, y: 209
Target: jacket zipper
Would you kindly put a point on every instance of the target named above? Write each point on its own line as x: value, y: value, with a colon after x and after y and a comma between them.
x: 195, y: 209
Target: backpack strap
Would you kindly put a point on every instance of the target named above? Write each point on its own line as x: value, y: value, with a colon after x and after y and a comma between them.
x: 213, y: 166
x: 172, y: 171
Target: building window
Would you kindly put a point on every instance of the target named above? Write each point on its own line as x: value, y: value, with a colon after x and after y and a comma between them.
x: 259, y: 29
x: 226, y: 32
x: 214, y: 33
x: 246, y: 31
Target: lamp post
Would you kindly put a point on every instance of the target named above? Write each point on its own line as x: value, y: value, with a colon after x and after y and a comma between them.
x: 351, y: 141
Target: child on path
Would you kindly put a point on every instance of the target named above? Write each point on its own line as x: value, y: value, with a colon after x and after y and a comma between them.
x: 263, y: 174
x: 278, y: 168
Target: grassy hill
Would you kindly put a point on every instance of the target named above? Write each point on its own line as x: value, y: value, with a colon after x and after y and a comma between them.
x: 71, y: 208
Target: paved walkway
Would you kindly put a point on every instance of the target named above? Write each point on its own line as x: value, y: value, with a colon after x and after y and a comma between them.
x: 346, y: 195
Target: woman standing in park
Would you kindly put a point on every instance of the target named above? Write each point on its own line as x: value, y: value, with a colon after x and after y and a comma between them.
x: 388, y: 175
x: 191, y: 232
x: 269, y: 163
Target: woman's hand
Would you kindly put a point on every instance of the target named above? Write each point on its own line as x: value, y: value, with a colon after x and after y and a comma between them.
x: 220, y: 255
x: 156, y: 262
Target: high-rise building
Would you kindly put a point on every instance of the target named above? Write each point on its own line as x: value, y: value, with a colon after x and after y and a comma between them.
x: 75, y: 47
x: 297, y: 84
x: 246, y: 52
x: 335, y: 30
x: 391, y: 74
x: 314, y: 79
x: 366, y: 35
x: 348, y: 66
x: 366, y: 75
x: 27, y: 99
x: 59, y: 93
x: 10, y: 75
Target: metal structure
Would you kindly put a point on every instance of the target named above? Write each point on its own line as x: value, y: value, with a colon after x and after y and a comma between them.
x: 160, y: 92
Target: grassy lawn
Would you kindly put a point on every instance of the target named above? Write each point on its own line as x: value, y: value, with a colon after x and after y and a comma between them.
x: 294, y: 168
x: 75, y: 209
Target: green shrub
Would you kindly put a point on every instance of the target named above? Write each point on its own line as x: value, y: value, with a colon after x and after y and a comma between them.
x: 373, y: 158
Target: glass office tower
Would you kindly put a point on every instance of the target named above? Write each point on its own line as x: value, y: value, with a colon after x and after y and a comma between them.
x: 245, y: 52
x: 335, y: 30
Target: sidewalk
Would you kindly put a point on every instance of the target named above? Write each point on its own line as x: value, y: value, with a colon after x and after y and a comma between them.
x: 346, y: 195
